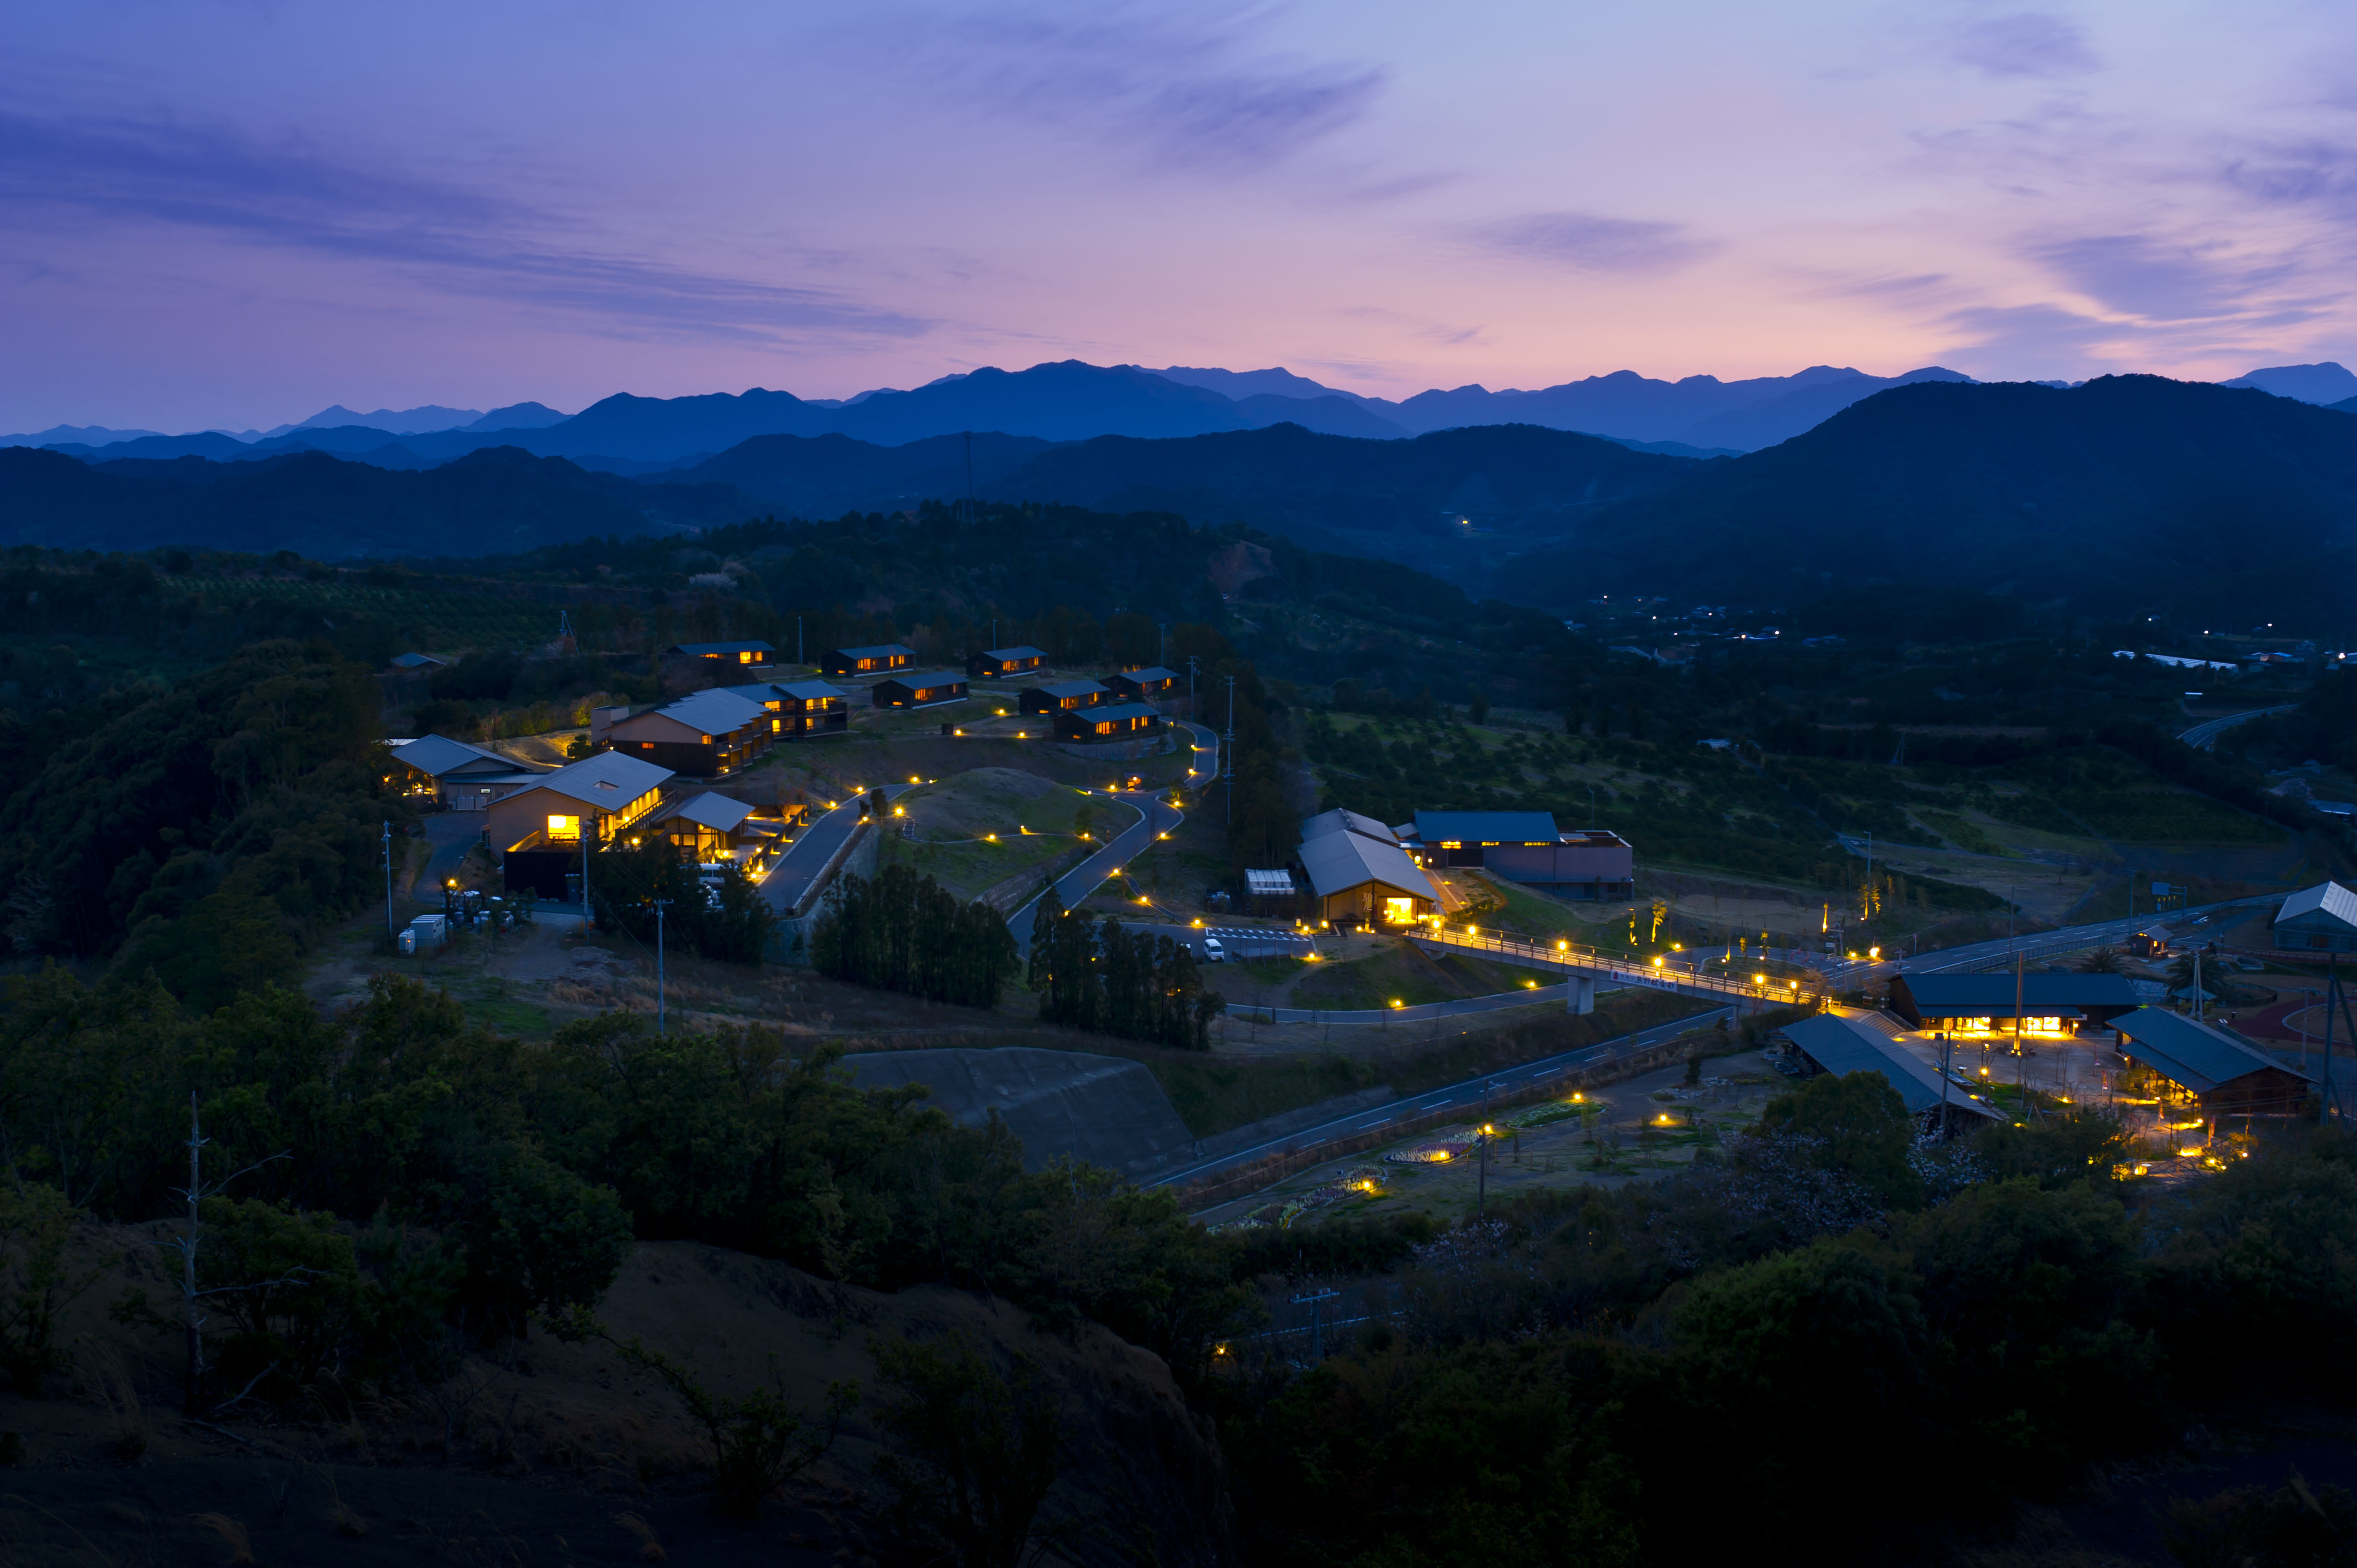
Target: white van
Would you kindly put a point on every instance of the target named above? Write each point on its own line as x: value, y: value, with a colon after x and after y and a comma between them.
x: 1212, y: 952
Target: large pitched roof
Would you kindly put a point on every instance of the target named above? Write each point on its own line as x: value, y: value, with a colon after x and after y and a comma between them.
x: 1842, y: 1046
x: 610, y: 780
x: 1062, y: 689
x: 1988, y: 995
x: 916, y: 679
x: 877, y: 651
x: 1152, y: 672
x: 2192, y: 1054
x: 1025, y: 652
x: 436, y: 756
x: 2328, y: 899
x: 811, y: 691
x: 718, y: 813
x: 1486, y: 826
x: 1339, y: 819
x: 1337, y: 862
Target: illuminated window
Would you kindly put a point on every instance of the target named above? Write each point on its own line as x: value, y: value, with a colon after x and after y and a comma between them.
x: 1399, y: 911
x: 745, y: 656
x: 563, y: 827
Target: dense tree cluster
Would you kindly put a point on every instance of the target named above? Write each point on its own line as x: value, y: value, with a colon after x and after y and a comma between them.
x: 208, y: 830
x: 726, y: 918
x: 904, y: 933
x: 1827, y: 1297
x: 1134, y: 985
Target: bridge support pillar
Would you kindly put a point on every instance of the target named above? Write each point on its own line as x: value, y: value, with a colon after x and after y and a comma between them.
x: 1581, y: 996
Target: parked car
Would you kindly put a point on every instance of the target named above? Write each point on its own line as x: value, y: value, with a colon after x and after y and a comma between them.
x: 1212, y: 952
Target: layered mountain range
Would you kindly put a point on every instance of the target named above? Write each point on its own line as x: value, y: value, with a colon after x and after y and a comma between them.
x: 1070, y: 400
x: 2116, y: 496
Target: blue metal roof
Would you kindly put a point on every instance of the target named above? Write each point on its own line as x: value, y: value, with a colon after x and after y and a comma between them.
x: 1987, y: 995
x: 1486, y: 826
x: 715, y: 649
x: 1841, y: 1046
x: 2192, y: 1054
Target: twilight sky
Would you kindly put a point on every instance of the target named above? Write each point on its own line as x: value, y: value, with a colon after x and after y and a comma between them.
x: 232, y: 214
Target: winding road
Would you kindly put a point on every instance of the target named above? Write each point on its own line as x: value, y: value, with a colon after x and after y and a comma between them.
x: 2204, y: 736
x: 1154, y: 819
x: 1470, y: 1093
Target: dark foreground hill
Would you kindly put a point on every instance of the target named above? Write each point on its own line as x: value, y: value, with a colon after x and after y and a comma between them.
x: 324, y: 507
x: 2124, y: 493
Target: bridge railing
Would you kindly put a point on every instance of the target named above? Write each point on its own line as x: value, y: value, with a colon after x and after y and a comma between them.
x: 1573, y: 955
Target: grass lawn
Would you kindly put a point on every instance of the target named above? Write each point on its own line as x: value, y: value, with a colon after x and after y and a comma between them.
x: 1399, y: 975
x: 976, y: 829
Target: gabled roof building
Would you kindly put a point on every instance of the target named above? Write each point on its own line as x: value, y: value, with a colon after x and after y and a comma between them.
x: 1362, y: 878
x: 704, y: 734
x: 996, y: 664
x: 931, y: 689
x: 1107, y: 721
x: 1061, y: 697
x: 2322, y: 918
x: 738, y: 654
x: 1526, y: 846
x: 2050, y: 1003
x: 458, y: 776
x: 2217, y: 1070
x: 875, y: 660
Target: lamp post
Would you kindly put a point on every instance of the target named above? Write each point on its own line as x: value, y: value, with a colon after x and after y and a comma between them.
x: 661, y: 904
x: 387, y: 879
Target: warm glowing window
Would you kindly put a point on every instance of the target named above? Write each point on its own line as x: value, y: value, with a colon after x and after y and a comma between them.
x: 745, y: 656
x: 563, y: 827
x: 1399, y: 911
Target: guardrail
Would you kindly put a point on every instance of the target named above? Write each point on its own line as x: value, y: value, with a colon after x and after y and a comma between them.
x: 1564, y: 955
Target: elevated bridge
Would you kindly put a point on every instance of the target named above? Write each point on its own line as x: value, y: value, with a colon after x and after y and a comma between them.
x: 1587, y: 965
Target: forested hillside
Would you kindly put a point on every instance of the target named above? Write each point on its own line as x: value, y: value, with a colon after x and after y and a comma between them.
x: 2125, y: 492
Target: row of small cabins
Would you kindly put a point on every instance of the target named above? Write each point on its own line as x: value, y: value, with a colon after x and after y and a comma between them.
x: 891, y: 658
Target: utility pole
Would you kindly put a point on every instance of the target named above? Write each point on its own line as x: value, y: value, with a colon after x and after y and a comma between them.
x: 586, y: 820
x: 661, y: 904
x: 1228, y: 753
x: 1481, y: 1198
x: 389, y: 928
x: 2020, y: 1062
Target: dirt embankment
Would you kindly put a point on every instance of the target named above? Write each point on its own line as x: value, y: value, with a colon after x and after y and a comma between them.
x: 542, y: 1452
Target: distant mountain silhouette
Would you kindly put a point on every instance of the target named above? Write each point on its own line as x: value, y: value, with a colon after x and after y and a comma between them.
x: 85, y: 435
x: 399, y: 422
x: 485, y: 503
x: 2328, y: 382
x: 520, y: 416
x: 1699, y: 411
x: 2123, y: 492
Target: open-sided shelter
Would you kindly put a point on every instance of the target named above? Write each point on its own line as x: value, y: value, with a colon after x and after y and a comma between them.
x: 2217, y: 1070
x: 1840, y: 1045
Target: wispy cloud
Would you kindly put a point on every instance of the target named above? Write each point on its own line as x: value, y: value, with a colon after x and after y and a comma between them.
x: 2137, y: 275
x: 1190, y: 89
x: 2023, y: 43
x: 290, y: 195
x: 1585, y: 241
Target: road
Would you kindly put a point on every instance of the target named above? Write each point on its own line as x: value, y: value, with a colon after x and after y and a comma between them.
x: 2036, y: 946
x: 789, y: 881
x: 2203, y: 737
x: 1154, y: 819
x: 1469, y: 1094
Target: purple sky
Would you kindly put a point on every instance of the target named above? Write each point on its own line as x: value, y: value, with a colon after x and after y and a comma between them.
x: 235, y: 214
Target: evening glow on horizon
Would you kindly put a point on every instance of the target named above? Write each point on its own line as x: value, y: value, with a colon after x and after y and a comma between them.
x: 233, y: 214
